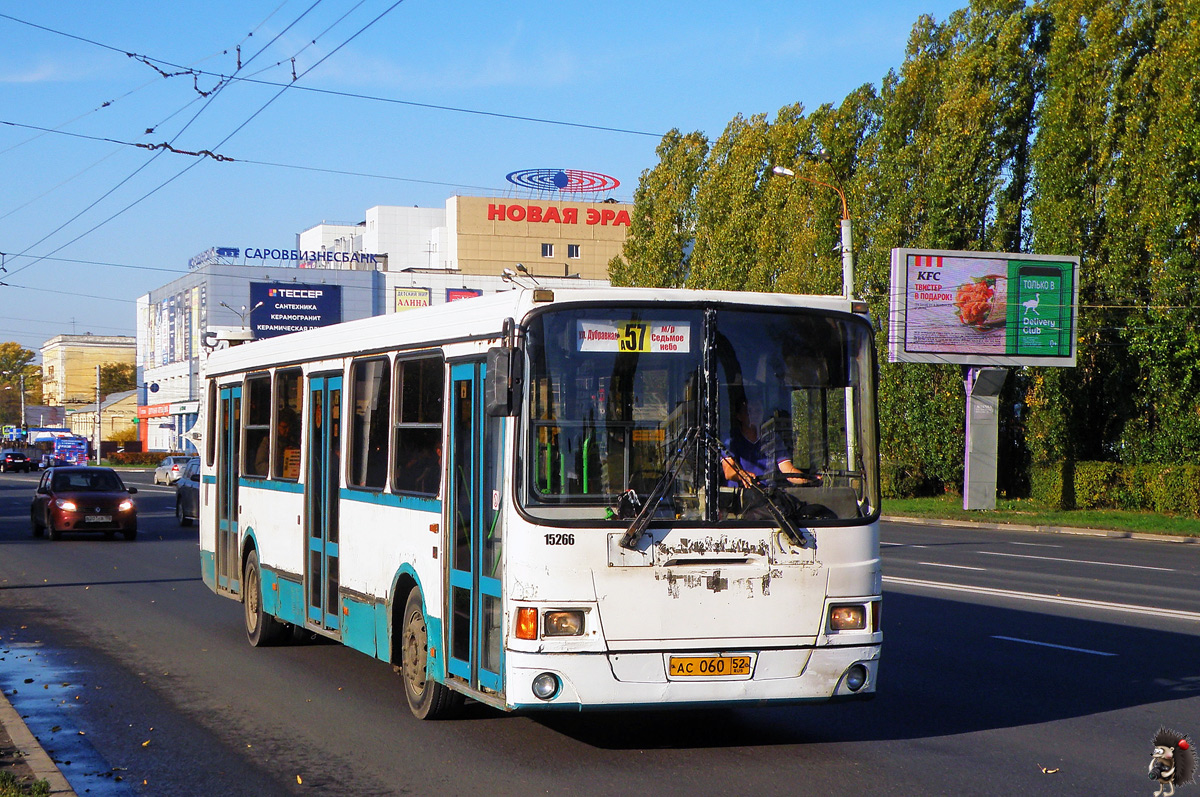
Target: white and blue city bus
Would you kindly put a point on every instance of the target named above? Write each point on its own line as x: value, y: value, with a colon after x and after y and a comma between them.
x: 526, y: 498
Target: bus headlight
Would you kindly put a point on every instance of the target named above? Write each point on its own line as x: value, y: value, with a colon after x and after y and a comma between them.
x: 545, y: 686
x: 847, y: 617
x: 563, y: 623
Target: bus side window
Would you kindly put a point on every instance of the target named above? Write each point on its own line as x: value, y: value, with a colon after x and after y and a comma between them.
x: 371, y: 386
x: 257, y: 445
x: 417, y: 451
x: 288, y: 405
x: 210, y: 436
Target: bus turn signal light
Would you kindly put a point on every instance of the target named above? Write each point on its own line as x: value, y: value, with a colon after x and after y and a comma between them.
x: 527, y: 625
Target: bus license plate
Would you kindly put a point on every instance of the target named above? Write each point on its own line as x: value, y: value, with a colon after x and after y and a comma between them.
x: 98, y: 519
x: 708, y: 666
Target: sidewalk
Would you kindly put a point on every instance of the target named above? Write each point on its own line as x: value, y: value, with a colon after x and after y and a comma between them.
x: 22, y: 755
x: 1086, y: 532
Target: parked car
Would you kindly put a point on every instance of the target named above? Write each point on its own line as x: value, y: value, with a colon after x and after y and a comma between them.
x: 83, y: 498
x: 15, y: 460
x: 169, y: 469
x: 187, y: 493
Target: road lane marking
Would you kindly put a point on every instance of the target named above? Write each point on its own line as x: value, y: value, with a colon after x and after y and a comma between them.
x: 955, y: 567
x: 900, y: 545
x: 1075, y: 561
x: 1150, y: 611
x: 1052, y: 645
x: 1034, y: 544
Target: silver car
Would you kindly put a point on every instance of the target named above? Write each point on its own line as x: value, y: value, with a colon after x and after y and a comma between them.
x: 170, y: 469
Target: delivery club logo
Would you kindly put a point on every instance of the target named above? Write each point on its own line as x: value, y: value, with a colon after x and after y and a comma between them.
x: 567, y: 181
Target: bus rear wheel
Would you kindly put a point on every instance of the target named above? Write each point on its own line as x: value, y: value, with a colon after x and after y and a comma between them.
x: 427, y: 699
x: 262, y: 629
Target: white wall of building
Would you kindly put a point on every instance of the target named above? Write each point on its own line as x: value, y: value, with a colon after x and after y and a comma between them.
x: 410, y: 237
x: 331, y: 237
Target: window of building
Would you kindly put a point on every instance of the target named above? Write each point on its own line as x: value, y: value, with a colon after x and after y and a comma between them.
x: 547, y: 250
x: 288, y: 406
x: 417, y: 467
x: 257, y: 446
x: 573, y: 251
x: 370, y: 382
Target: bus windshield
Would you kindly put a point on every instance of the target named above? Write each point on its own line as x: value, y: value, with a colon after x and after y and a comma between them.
x: 711, y: 413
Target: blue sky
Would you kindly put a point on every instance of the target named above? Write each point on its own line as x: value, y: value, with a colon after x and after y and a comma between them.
x: 135, y: 216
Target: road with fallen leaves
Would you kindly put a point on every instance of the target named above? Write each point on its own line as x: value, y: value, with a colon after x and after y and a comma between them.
x: 1013, y: 663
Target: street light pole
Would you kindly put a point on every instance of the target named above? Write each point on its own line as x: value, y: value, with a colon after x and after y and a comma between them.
x: 847, y: 251
x: 99, y: 435
x: 20, y: 375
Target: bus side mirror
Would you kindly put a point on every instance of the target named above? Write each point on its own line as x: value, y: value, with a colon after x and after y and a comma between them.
x: 502, y: 388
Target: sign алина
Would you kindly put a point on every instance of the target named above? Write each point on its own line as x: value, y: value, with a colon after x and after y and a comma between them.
x: 983, y: 308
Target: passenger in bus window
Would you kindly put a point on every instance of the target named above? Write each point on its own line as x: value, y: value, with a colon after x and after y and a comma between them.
x: 287, y: 446
x: 262, y: 455
x: 421, y: 471
x: 750, y: 455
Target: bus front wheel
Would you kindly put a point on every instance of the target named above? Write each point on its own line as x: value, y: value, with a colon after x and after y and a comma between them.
x: 427, y: 699
x: 262, y: 629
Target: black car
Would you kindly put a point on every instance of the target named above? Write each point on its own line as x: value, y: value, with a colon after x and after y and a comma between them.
x: 187, y: 493
x: 15, y: 460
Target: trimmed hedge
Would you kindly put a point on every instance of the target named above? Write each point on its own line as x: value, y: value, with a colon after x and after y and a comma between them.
x: 903, y: 480
x: 1164, y: 489
x: 142, y: 458
x: 1053, y: 485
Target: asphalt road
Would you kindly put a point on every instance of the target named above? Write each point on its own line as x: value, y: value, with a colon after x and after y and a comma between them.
x: 1013, y: 663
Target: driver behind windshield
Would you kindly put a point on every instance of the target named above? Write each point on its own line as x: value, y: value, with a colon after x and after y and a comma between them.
x: 750, y: 454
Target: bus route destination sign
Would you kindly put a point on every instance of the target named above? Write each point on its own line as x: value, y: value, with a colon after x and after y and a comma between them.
x: 628, y: 337
x: 983, y: 308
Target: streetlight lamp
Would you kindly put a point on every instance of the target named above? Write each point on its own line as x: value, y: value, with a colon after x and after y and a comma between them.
x: 847, y: 252
x: 243, y: 314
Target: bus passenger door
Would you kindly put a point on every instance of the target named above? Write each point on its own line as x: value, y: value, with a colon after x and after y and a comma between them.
x: 475, y: 491
x: 321, y: 482
x: 229, y: 437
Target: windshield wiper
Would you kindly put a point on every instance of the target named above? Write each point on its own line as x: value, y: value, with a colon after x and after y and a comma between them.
x: 642, y: 519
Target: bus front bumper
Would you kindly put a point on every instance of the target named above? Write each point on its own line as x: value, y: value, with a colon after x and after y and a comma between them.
x: 640, y: 680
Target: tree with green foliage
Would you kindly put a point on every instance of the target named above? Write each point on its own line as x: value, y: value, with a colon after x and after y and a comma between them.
x: 117, y: 377
x: 17, y: 371
x: 1055, y: 126
x: 664, y: 218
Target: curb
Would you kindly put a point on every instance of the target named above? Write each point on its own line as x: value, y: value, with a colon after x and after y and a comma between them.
x: 35, y: 756
x: 1084, y: 532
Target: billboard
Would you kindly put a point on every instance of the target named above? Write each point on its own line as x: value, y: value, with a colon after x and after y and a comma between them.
x: 292, y: 307
x: 454, y: 294
x: 409, y: 298
x: 983, y: 308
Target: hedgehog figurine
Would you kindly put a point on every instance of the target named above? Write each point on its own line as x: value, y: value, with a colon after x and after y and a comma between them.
x: 1173, y: 761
